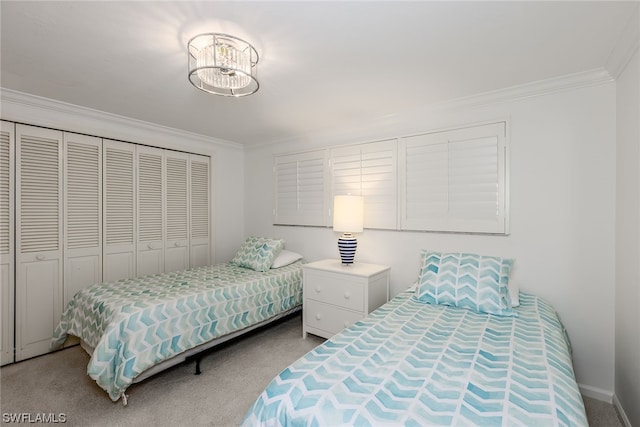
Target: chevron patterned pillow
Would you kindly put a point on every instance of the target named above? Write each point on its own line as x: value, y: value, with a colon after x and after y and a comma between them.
x: 471, y: 281
x: 258, y: 253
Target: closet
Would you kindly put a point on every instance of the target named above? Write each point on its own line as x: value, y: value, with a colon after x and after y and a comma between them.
x: 151, y: 212
x: 77, y: 210
x: 38, y: 218
x: 176, y: 243
x: 119, y: 211
x: 82, y: 212
x: 7, y: 200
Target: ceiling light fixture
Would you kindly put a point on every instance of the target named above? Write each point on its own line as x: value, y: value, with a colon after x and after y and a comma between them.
x: 222, y: 64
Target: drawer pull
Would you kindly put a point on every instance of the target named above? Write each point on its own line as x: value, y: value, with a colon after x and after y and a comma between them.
x: 318, y: 289
x: 347, y: 295
x: 318, y: 316
x: 346, y: 323
x: 40, y: 257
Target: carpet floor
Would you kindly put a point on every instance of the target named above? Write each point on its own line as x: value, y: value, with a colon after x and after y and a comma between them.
x: 232, y: 377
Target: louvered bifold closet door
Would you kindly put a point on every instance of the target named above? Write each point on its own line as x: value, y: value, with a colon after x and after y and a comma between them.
x: 200, y: 243
x: 301, y: 189
x: 39, y: 293
x: 7, y: 284
x: 119, y: 211
x: 82, y: 212
x: 455, y: 180
x: 150, y: 210
x: 369, y: 170
x: 176, y: 254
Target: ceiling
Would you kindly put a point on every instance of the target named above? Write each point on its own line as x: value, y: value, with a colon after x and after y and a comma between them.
x: 323, y: 65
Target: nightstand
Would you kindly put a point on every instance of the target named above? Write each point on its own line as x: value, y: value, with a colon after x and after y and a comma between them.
x: 335, y: 295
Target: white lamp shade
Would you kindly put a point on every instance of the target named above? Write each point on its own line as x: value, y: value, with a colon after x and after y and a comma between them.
x: 348, y: 214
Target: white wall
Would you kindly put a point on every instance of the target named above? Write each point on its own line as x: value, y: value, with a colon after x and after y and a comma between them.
x: 227, y: 202
x: 562, y: 190
x: 228, y: 190
x: 627, y: 319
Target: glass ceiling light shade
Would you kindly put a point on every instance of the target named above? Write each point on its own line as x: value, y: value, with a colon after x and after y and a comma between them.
x: 222, y: 64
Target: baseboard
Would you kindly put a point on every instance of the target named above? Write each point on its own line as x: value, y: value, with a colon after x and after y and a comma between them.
x: 596, y: 393
x: 621, y: 412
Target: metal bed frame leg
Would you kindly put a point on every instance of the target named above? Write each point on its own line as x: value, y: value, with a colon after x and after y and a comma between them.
x: 198, y: 371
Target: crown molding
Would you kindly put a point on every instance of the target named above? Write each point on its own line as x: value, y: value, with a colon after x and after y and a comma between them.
x: 627, y: 45
x: 528, y: 90
x: 514, y: 93
x: 39, y: 111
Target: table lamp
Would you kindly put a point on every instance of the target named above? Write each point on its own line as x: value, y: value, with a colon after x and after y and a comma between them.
x: 348, y: 218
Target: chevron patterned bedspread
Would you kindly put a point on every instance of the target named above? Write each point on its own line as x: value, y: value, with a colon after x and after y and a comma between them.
x: 415, y: 364
x: 137, y: 323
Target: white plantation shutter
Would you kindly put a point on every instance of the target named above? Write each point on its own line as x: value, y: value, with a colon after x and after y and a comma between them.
x: 119, y: 210
x: 82, y: 213
x: 473, y: 184
x: 39, y: 225
x: 301, y: 189
x: 455, y: 180
x: 369, y: 170
x: 199, y: 251
x: 7, y: 177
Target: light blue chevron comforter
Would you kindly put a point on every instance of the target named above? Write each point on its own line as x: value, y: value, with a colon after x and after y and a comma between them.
x: 415, y: 364
x: 137, y: 323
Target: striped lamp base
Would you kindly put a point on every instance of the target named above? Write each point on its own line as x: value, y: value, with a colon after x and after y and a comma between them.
x: 347, y: 244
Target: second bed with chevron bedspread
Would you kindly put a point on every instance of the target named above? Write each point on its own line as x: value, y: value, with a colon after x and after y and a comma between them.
x: 416, y: 364
x: 135, y: 324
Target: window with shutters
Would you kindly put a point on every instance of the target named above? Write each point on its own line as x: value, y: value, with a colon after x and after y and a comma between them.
x: 455, y: 180
x: 451, y: 181
x: 301, y: 189
x: 369, y: 170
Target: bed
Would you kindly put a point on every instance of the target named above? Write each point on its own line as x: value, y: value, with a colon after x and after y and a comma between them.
x: 419, y: 363
x: 135, y: 328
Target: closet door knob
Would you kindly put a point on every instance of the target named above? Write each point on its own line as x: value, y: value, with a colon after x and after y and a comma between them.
x: 40, y: 257
x: 318, y: 316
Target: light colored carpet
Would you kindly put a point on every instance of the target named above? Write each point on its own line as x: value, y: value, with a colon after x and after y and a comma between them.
x: 232, y: 378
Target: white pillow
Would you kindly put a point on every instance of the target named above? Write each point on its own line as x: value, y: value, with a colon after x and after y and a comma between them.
x: 284, y: 258
x: 514, y: 294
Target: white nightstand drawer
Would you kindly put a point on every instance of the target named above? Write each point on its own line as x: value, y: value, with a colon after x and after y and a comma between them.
x: 335, y: 295
x: 330, y: 289
x: 327, y: 317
